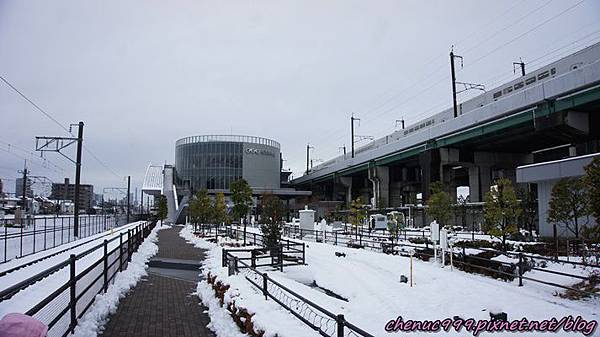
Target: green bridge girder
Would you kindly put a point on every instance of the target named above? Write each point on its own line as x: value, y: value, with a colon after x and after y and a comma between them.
x: 525, y: 117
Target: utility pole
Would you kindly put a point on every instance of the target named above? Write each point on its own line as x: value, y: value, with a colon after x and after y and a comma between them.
x: 352, y: 119
x: 308, y: 147
x: 56, y: 144
x: 78, y: 178
x: 343, y: 148
x: 521, y: 64
x: 141, y: 202
x: 452, y: 57
x: 24, y: 188
x: 401, y: 123
x: 128, y: 191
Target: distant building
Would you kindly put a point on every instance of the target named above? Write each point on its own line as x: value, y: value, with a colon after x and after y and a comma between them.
x: 66, y: 191
x: 19, y: 188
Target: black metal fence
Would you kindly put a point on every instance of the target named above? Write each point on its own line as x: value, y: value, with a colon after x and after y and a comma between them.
x: 458, y: 255
x: 316, y: 317
x: 40, y: 233
x: 61, y: 309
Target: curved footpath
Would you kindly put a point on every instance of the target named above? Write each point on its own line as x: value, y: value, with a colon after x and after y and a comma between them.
x: 164, y: 303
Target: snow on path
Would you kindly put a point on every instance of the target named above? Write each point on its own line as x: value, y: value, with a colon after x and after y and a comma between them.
x: 269, y: 316
x: 106, y: 304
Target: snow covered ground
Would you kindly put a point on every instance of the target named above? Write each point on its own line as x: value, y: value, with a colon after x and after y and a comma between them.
x: 370, y: 283
x: 49, y: 232
x: 27, y: 298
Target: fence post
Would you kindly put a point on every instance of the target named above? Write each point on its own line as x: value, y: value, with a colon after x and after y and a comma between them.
x: 253, y: 258
x: 129, y: 242
x: 34, y: 234
x: 21, y: 245
x: 223, y: 257
x: 45, y: 231
x: 5, y: 234
x: 335, y: 234
x: 281, y: 258
x: 303, y: 253
x: 121, y: 251
x: 105, y: 265
x: 340, y: 325
x: 264, y: 289
x: 520, y: 269
x: 235, y: 264
x: 73, y: 294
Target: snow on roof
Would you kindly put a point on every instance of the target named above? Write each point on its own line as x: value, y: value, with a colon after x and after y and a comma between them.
x: 153, y: 181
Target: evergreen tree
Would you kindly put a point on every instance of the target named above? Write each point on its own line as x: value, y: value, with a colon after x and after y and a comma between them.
x: 241, y: 196
x: 219, y: 211
x: 396, y: 223
x: 194, y: 212
x: 358, y: 213
x: 439, y: 204
x: 501, y: 211
x: 592, y: 183
x: 272, y: 214
x: 162, y: 208
x: 568, y: 203
x: 529, y: 209
x: 205, y: 207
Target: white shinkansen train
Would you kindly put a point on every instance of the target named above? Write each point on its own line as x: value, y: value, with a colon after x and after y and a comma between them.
x: 569, y: 74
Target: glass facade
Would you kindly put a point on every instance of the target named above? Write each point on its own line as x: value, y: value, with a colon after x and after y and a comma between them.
x: 210, y: 165
x: 215, y: 161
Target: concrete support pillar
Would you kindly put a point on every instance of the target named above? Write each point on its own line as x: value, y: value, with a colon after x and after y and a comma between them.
x: 347, y: 183
x: 474, y: 185
x: 485, y: 179
x: 429, y: 161
x: 381, y: 186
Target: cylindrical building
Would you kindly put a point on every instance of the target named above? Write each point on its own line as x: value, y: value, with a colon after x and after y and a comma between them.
x: 213, y: 162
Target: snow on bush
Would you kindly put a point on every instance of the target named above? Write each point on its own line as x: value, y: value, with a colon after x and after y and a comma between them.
x: 106, y: 304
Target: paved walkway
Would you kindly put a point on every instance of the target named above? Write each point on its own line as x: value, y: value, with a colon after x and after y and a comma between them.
x: 163, y: 304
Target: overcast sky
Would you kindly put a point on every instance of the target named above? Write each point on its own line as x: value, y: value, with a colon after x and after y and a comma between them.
x: 142, y: 74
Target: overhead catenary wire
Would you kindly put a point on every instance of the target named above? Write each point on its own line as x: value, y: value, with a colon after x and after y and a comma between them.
x: 441, y: 66
x: 49, y: 116
x: 32, y: 155
x: 441, y: 80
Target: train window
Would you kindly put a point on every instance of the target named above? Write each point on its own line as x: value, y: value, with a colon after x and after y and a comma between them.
x: 518, y: 85
x: 530, y: 80
x: 553, y: 71
x: 422, y: 125
x: 497, y: 94
x: 405, y: 133
x: 543, y: 75
x: 411, y: 130
x: 507, y: 90
x: 428, y: 123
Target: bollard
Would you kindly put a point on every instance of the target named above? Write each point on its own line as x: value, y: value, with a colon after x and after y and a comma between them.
x: 520, y: 269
